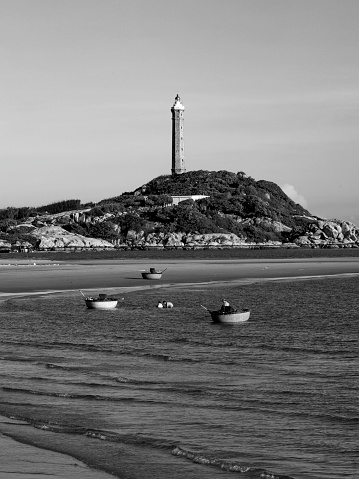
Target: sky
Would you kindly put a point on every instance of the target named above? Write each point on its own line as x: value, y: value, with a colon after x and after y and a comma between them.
x: 270, y: 88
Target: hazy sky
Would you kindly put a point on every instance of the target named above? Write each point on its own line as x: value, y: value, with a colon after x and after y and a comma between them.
x: 270, y: 87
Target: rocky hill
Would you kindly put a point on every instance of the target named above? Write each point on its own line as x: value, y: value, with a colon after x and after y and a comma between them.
x: 233, y: 210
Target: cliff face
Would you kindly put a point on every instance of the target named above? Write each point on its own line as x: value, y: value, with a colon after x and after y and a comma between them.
x: 236, y: 211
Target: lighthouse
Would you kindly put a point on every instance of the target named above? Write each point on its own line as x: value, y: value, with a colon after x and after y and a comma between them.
x: 178, y: 165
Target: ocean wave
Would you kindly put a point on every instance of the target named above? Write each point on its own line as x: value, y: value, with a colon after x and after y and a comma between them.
x: 138, y: 382
x: 225, y: 465
x: 202, y: 342
x: 268, y: 407
x: 92, y: 348
x: 17, y: 359
x: 64, y: 368
x: 134, y: 439
x: 161, y: 357
x: 62, y: 344
x: 324, y: 350
x: 87, y: 397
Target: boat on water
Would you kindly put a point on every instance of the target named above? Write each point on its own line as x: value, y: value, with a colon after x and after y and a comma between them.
x: 231, y: 317
x: 101, y: 302
x: 153, y: 273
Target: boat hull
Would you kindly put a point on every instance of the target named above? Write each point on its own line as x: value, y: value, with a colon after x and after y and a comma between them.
x: 93, y: 304
x: 151, y: 275
x: 230, y: 318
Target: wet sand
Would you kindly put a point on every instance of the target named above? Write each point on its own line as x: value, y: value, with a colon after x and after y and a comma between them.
x: 19, y: 461
x: 24, y: 277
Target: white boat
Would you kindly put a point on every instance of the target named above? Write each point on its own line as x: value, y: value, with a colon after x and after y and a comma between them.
x: 102, y: 302
x: 232, y: 317
x: 152, y: 274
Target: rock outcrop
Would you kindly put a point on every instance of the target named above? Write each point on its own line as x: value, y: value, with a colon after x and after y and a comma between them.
x: 319, y: 233
x: 329, y: 233
x: 187, y: 241
x: 55, y: 237
x: 5, y: 245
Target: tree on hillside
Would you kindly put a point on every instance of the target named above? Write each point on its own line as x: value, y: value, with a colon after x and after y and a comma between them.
x: 159, y: 200
x: 60, y: 207
x: 130, y: 222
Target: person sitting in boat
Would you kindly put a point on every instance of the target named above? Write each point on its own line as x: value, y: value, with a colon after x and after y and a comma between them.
x: 226, y: 307
x: 159, y: 304
x: 154, y: 271
x: 167, y: 304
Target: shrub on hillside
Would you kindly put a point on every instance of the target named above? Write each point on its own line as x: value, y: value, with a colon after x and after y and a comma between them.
x: 96, y: 211
x: 22, y: 237
x: 188, y: 220
x: 5, y: 224
x: 260, y: 235
x: 228, y: 225
x: 103, y: 230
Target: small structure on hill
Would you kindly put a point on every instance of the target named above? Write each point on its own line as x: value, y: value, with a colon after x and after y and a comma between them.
x: 178, y: 198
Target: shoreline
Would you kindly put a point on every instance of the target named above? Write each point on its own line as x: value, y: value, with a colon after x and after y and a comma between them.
x: 21, y: 460
x: 209, y: 253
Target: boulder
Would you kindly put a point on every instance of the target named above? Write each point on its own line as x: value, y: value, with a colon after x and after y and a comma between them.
x: 213, y: 243
x: 227, y: 243
x: 133, y: 235
x: 174, y: 239
x: 279, y: 227
x: 332, y: 229
x: 349, y: 230
x: 303, y: 240
x: 5, y: 244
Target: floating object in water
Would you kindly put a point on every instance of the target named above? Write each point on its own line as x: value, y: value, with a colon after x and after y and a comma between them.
x: 229, y: 317
x: 167, y: 304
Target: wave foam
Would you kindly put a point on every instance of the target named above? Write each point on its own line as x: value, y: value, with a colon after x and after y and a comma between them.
x: 223, y: 464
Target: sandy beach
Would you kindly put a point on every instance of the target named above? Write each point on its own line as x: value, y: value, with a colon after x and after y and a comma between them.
x: 27, y: 277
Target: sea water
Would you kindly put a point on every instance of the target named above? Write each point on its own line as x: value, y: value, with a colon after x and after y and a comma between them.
x: 274, y: 397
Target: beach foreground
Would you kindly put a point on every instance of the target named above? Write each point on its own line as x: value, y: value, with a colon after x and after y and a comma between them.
x: 19, y: 461
x: 20, y: 278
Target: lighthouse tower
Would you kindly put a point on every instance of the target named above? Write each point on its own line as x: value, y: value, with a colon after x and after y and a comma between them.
x: 178, y: 165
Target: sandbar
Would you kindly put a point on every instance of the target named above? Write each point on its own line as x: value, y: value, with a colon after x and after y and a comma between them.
x: 34, y: 277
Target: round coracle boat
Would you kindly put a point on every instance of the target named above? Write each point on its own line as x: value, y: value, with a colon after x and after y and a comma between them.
x: 230, y: 318
x: 153, y: 273
x: 102, y: 302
